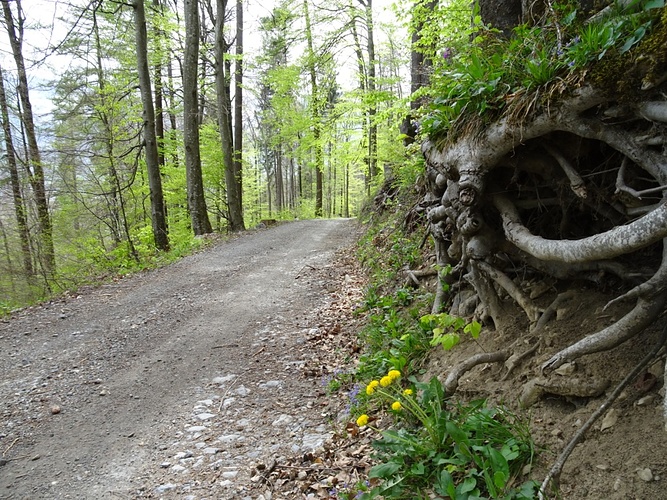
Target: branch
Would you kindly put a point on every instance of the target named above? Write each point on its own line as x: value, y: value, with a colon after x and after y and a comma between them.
x: 654, y: 111
x: 617, y: 241
x: 654, y: 286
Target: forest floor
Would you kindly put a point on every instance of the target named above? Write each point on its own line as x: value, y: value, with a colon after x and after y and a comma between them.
x: 207, y: 379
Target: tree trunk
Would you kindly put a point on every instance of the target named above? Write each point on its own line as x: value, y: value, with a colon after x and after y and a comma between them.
x: 419, y: 69
x: 373, y: 170
x: 234, y: 205
x: 19, y: 207
x: 159, y: 86
x: 35, y: 170
x: 238, y: 106
x: 118, y: 214
x: 195, y: 185
x: 158, y: 216
x: 316, y: 115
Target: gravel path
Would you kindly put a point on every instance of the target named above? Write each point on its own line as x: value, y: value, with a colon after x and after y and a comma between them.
x: 176, y: 382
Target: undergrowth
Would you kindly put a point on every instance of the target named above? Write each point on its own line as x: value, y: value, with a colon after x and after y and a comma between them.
x: 428, y: 445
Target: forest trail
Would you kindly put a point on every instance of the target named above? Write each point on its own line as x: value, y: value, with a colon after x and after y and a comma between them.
x: 128, y: 389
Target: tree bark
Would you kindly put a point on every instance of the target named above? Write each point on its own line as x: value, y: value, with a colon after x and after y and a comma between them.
x: 158, y: 217
x: 47, y: 256
x: 316, y: 114
x: 238, y: 105
x: 234, y: 204
x: 193, y: 172
x: 19, y: 207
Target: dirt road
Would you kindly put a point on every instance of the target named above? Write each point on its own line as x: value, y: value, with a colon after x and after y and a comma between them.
x: 170, y: 382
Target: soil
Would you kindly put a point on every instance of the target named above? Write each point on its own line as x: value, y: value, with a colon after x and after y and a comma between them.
x: 207, y: 379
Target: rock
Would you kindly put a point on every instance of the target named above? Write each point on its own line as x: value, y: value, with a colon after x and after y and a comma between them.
x: 282, y: 420
x: 165, y: 465
x: 165, y: 487
x: 205, y: 416
x: 617, y: 484
x: 211, y: 450
x: 196, y: 428
x: 313, y: 441
x: 223, y: 380
x: 230, y: 474
x: 178, y: 468
x: 562, y: 313
x: 657, y: 369
x: 609, y: 419
x: 645, y: 474
x: 55, y: 409
x: 646, y: 400
x: 271, y: 384
x: 242, y: 391
x: 566, y: 369
x: 228, y: 438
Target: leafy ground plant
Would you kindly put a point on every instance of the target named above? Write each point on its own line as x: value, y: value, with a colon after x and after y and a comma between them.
x: 440, y: 449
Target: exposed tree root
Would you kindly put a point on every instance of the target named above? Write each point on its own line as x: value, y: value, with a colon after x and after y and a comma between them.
x: 452, y: 380
x: 515, y: 359
x: 637, y: 320
x: 593, y: 208
x: 618, y: 241
x: 553, y: 476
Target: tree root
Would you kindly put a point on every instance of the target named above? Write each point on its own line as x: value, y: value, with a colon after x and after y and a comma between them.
x: 512, y: 289
x: 515, y: 359
x: 618, y: 241
x: 655, y: 285
x: 639, y: 318
x: 452, y: 380
x: 553, y: 475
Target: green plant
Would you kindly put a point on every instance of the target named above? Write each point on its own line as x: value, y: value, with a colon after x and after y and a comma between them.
x: 452, y: 450
x: 446, y: 328
x: 477, y: 80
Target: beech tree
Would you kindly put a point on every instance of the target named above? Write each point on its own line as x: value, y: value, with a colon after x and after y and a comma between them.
x: 34, y: 166
x: 15, y: 180
x: 316, y: 112
x: 191, y: 122
x: 222, y: 78
x: 158, y: 215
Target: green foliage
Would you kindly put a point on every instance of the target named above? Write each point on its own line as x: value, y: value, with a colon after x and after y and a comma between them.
x: 456, y: 451
x: 446, y: 329
x: 480, y: 78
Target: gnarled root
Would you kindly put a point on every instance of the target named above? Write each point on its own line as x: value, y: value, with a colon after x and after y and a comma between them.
x: 452, y: 380
x: 638, y: 319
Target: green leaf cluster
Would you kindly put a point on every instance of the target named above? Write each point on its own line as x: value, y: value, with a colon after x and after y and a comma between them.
x: 481, y: 78
x: 452, y: 451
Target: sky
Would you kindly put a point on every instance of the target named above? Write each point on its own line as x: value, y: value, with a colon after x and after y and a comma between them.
x: 47, y: 12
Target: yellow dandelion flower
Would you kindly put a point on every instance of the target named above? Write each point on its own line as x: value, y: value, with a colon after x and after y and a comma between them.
x: 408, y: 392
x: 386, y: 381
x: 370, y: 388
x: 362, y: 420
x: 393, y: 374
x: 396, y: 405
